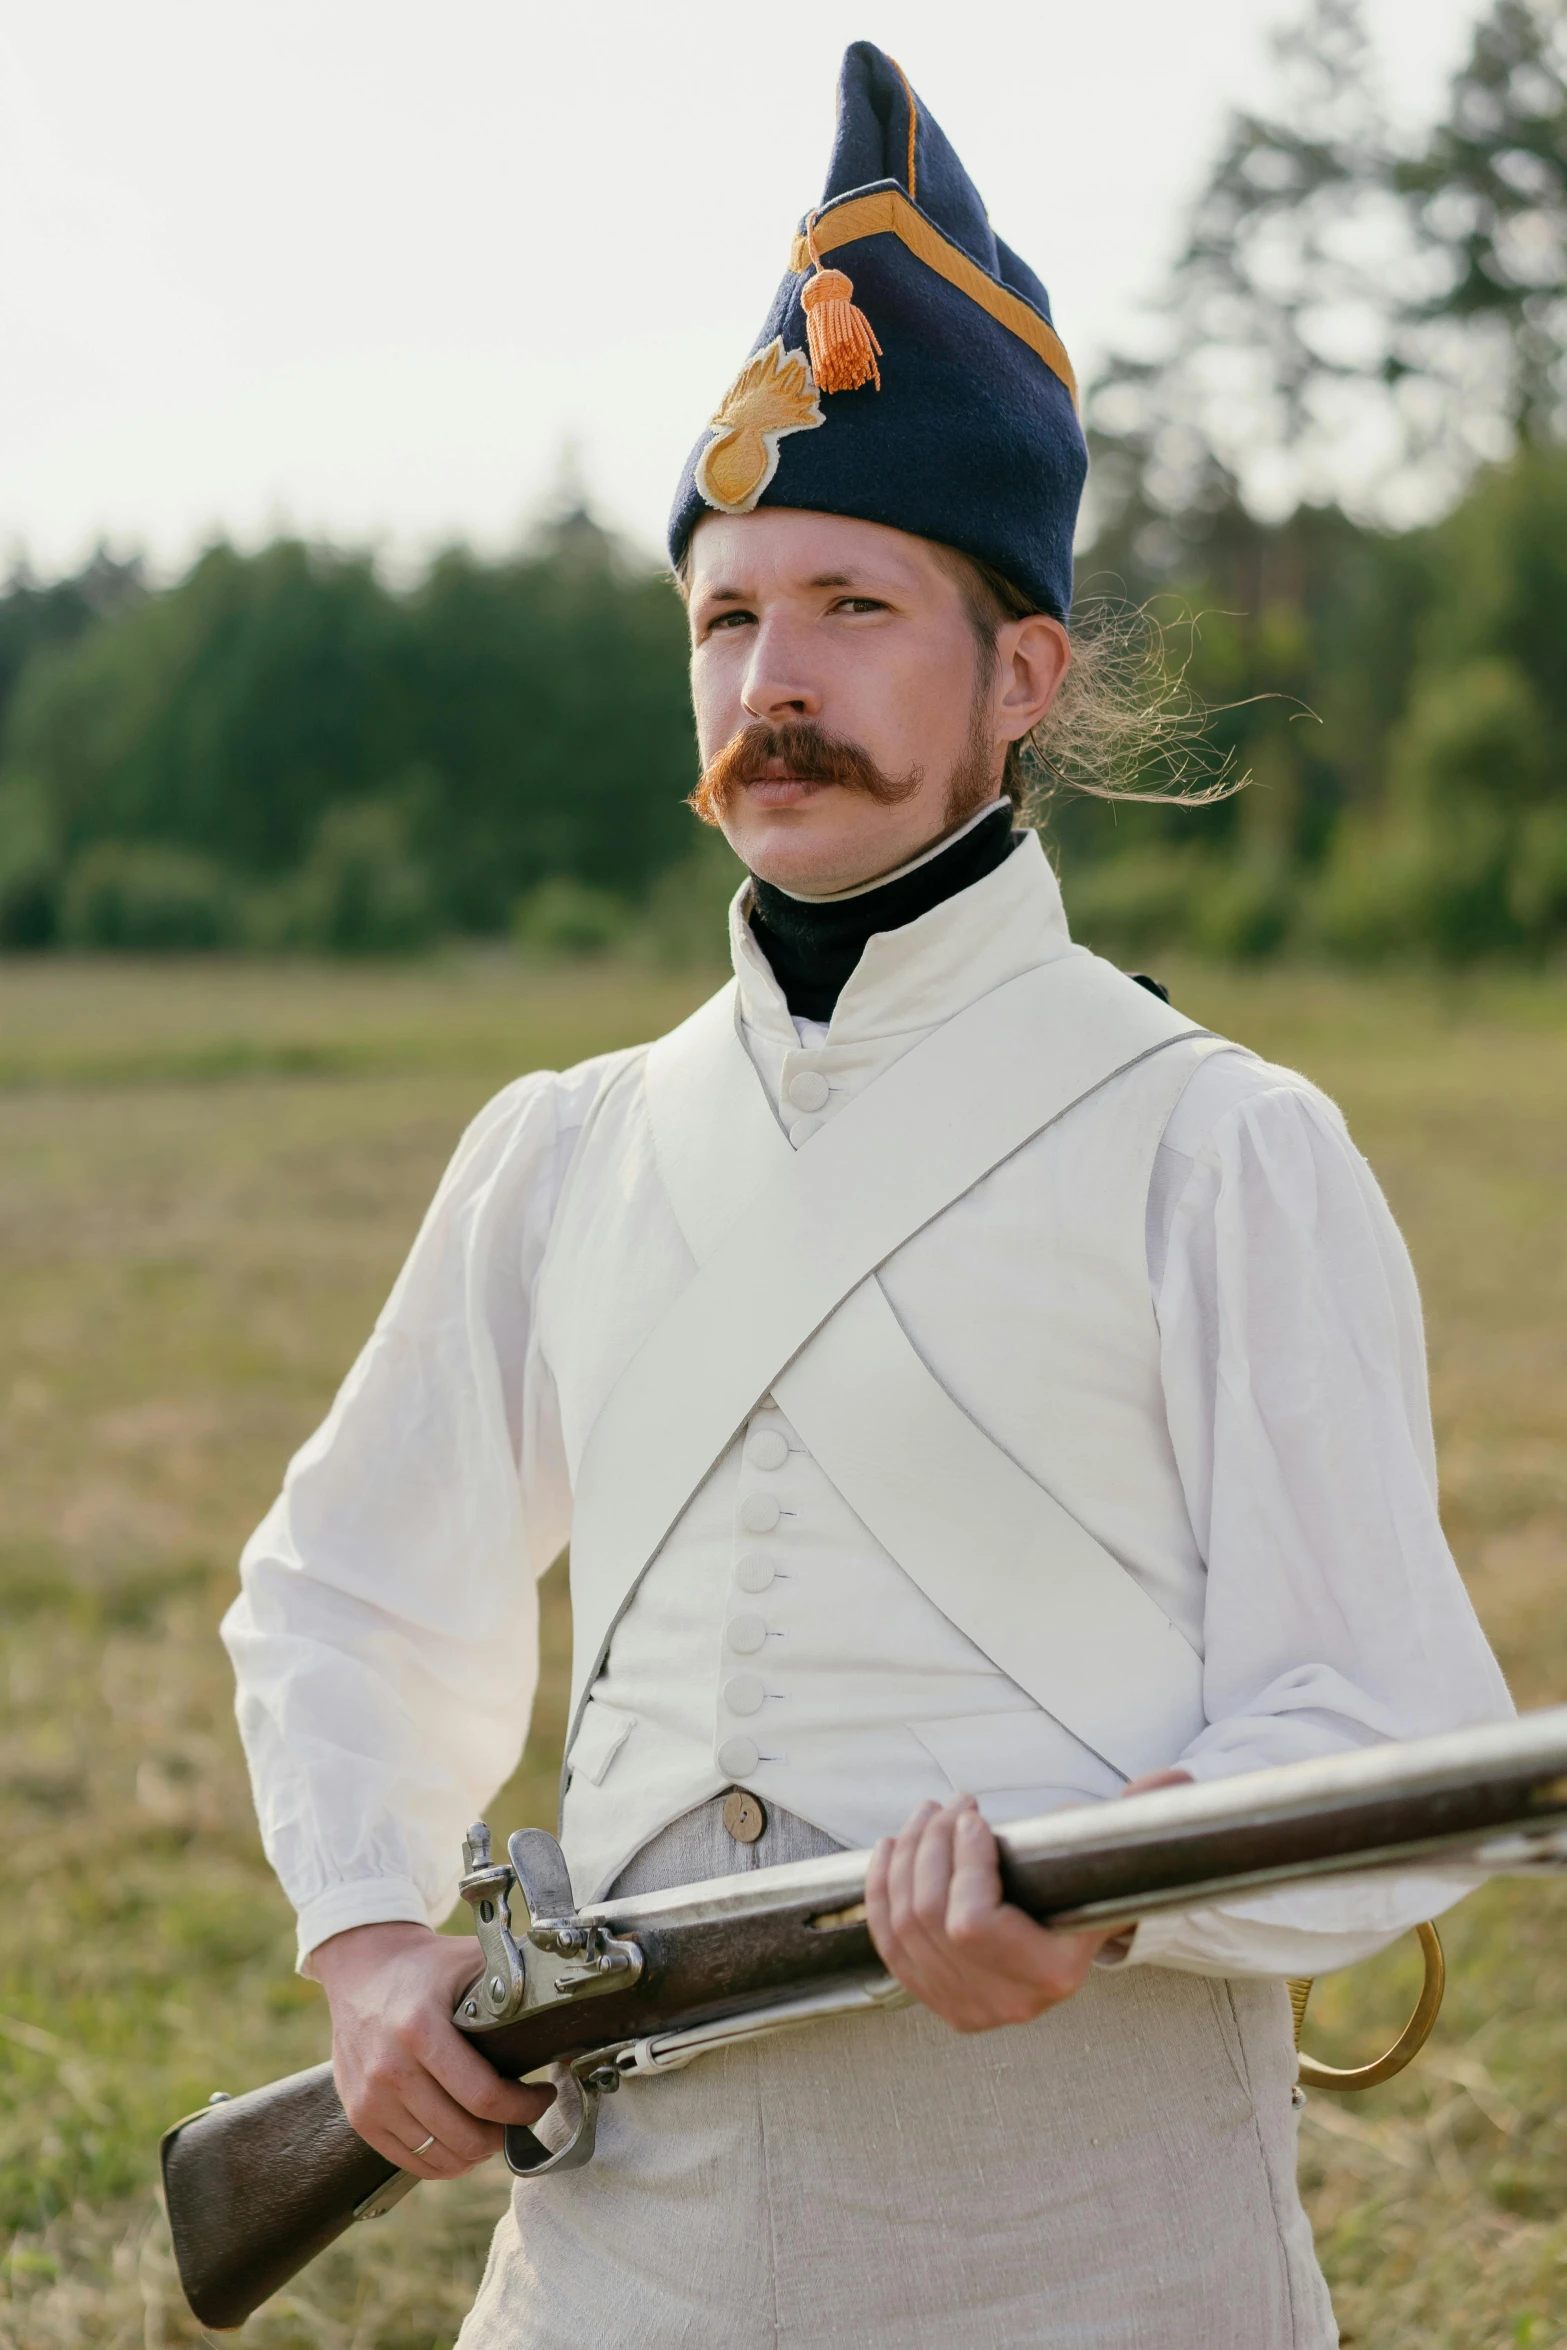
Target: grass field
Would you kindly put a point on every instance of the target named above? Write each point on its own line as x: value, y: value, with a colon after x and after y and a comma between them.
x: 208, y: 1175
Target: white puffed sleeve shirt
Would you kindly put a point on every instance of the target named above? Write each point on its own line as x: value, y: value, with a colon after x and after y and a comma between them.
x: 385, y: 1636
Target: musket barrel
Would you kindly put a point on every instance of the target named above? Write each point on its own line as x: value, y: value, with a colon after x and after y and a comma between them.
x: 1385, y: 1807
x: 1175, y: 1848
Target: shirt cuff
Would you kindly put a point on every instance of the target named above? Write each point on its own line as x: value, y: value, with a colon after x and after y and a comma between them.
x: 1215, y: 1942
x: 372, y: 1901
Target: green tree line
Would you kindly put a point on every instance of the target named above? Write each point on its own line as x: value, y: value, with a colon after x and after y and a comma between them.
x: 283, y: 748
x: 1336, y: 472
x: 1398, y: 704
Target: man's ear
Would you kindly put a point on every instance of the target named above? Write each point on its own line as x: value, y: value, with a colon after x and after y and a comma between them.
x: 1032, y: 659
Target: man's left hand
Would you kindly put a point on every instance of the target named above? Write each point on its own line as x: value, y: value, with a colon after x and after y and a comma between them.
x: 939, y: 1923
x: 937, y: 1917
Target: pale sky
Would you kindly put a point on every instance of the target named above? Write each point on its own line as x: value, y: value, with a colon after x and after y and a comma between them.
x: 363, y: 268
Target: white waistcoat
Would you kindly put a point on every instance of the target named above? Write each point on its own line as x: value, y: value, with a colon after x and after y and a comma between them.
x: 775, y: 1639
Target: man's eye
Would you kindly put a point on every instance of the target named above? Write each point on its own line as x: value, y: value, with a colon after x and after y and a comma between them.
x: 731, y: 620
x: 859, y: 604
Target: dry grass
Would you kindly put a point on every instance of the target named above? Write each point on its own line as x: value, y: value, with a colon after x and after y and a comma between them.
x: 207, y: 1177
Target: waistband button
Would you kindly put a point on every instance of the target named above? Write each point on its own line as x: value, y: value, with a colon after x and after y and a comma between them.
x: 744, y: 1815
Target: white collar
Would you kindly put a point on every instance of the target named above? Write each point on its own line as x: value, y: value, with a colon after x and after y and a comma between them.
x: 929, y: 969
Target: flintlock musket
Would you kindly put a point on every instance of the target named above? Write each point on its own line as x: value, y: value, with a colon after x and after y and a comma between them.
x: 257, y: 2185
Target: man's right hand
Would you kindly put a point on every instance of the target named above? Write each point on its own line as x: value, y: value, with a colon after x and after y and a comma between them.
x: 404, y: 2071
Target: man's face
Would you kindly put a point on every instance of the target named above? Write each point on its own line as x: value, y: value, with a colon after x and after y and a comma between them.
x: 836, y: 662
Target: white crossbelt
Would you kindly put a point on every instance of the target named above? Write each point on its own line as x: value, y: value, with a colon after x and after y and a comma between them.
x: 785, y: 1298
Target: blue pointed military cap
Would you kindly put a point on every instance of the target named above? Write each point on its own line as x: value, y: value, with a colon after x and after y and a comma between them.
x: 908, y: 372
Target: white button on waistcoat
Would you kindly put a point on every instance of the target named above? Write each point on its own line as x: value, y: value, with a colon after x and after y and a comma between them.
x: 738, y: 1757
x: 745, y: 1634
x: 754, y: 1572
x: 767, y: 1448
x: 759, y: 1513
x: 744, y: 1694
x: 807, y: 1089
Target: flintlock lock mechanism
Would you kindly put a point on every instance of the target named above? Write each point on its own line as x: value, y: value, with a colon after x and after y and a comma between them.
x: 519, y: 1976
x: 526, y: 1975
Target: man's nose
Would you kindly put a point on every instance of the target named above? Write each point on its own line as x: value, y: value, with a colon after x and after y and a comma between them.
x: 777, y: 687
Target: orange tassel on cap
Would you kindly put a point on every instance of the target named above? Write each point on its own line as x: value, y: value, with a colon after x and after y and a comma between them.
x: 844, y: 351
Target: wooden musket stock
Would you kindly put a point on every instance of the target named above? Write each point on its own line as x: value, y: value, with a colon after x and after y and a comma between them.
x: 257, y: 2185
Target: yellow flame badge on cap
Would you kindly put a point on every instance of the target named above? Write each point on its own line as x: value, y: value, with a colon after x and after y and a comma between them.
x: 772, y: 395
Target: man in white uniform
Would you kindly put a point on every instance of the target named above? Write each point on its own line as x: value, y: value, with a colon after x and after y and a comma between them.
x: 968, y: 1388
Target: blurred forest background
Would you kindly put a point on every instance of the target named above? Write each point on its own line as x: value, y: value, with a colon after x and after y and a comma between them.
x: 1335, y: 471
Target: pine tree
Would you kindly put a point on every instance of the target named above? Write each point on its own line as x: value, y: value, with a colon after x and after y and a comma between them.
x: 1348, y: 322
x: 1272, y: 340
x: 1488, y: 199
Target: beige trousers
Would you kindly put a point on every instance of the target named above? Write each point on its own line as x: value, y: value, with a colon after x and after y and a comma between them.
x: 1117, y: 2176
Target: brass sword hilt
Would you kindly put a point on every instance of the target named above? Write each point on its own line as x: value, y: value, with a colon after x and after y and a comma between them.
x: 1405, y: 2048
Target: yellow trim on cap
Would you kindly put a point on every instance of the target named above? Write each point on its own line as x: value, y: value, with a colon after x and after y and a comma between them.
x: 885, y: 212
x: 914, y: 124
